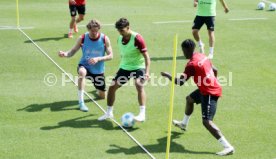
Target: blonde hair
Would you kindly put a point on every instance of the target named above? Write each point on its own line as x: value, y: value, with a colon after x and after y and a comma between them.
x: 93, y: 24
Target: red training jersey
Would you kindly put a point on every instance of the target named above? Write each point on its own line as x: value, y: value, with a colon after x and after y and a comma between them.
x: 200, y: 67
x: 78, y: 2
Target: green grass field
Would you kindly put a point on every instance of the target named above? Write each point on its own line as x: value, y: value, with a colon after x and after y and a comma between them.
x: 40, y: 121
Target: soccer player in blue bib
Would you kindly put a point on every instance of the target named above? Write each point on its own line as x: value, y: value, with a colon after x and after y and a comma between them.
x: 96, y: 48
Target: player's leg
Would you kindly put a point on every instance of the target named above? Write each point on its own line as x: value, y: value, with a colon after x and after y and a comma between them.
x: 81, y: 84
x: 99, y: 83
x: 121, y: 78
x: 139, y: 83
x: 112, y: 93
x: 101, y: 93
x: 198, y: 22
x: 81, y: 13
x: 210, y: 22
x: 80, y: 18
x: 194, y: 97
x: 73, y: 13
x: 208, y: 107
x: 110, y: 100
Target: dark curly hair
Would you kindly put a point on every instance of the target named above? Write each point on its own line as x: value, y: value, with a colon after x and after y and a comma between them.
x: 122, y: 23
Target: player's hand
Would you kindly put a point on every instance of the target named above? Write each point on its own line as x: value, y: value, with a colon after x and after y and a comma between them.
x: 226, y: 10
x: 93, y: 61
x: 165, y: 74
x: 62, y: 54
x: 146, y: 76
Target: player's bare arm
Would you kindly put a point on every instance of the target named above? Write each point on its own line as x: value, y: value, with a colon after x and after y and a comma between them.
x: 215, y: 70
x: 226, y: 10
x: 195, y: 3
x: 71, y: 52
x: 147, y: 63
x: 108, y: 56
x: 178, y: 81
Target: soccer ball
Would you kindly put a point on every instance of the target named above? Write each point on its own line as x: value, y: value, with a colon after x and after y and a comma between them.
x: 272, y: 6
x: 261, y: 6
x: 127, y: 120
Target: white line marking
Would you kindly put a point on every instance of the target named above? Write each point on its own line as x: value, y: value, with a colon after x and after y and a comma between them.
x: 141, y: 146
x: 189, y: 21
x: 268, y: 1
x: 13, y: 28
x: 170, y: 22
x: 246, y: 19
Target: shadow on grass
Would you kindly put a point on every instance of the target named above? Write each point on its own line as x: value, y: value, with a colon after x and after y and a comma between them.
x: 80, y: 123
x: 48, y: 39
x: 166, y: 58
x: 160, y: 147
x: 55, y: 106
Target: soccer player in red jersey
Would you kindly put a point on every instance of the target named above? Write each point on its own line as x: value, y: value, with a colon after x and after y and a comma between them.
x: 208, y: 92
x: 76, y: 6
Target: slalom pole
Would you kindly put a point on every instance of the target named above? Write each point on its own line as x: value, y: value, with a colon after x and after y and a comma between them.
x: 17, y: 14
x: 171, y: 98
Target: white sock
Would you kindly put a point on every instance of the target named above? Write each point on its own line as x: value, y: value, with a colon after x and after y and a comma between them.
x: 142, y: 109
x: 211, y: 50
x: 186, y: 119
x: 81, y: 96
x: 109, y: 110
x: 200, y: 43
x: 224, y: 142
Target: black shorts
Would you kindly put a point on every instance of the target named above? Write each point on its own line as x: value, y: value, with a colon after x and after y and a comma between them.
x: 123, y: 76
x: 74, y: 9
x: 208, y: 104
x: 98, y: 80
x: 200, y: 20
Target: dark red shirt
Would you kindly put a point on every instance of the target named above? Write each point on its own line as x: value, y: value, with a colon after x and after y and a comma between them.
x: 200, y: 67
x: 139, y: 43
x: 78, y: 2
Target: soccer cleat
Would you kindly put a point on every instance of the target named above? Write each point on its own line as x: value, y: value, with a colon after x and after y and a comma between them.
x: 201, y: 48
x: 140, y: 118
x: 83, y: 107
x: 105, y: 116
x: 226, y: 151
x: 210, y: 56
x: 76, y: 28
x: 70, y: 35
x: 179, y: 124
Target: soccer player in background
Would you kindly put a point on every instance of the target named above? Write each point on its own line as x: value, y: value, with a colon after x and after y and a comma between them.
x: 76, y: 7
x: 206, y: 12
x: 135, y: 63
x: 94, y: 46
x: 208, y: 92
